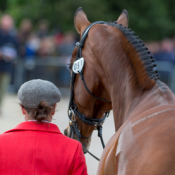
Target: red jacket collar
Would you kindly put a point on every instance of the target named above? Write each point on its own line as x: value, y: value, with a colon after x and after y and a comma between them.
x: 35, y: 126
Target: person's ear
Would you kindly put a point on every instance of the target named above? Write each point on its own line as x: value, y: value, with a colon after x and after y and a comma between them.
x: 53, y: 112
x: 23, y: 110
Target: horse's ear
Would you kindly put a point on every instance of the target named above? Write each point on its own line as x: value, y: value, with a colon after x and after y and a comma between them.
x: 80, y: 20
x: 123, y: 18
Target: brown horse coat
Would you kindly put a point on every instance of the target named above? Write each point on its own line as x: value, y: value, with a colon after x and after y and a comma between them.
x: 119, y: 67
x: 144, y: 145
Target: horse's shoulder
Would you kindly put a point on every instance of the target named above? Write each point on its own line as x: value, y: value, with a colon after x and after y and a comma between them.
x: 107, y: 164
x: 154, y: 130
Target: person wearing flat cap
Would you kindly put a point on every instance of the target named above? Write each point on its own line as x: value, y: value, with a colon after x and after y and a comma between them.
x: 36, y: 146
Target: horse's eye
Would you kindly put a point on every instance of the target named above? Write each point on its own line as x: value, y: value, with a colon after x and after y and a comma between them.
x: 70, y: 66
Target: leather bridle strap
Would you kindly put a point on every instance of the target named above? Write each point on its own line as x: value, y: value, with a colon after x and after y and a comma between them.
x: 77, y: 132
x: 81, y: 74
x: 85, y: 33
x: 79, y: 55
x: 88, y: 121
x: 72, y: 106
x: 93, y: 122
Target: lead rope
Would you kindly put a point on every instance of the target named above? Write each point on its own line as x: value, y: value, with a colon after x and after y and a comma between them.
x: 77, y: 132
x: 100, y: 135
x: 79, y: 54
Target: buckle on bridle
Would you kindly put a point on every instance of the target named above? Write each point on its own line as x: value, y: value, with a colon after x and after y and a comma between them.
x: 70, y: 122
x: 78, y: 44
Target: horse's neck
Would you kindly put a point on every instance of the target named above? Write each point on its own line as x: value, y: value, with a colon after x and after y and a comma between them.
x: 118, y: 84
x: 126, y: 79
x: 123, y: 103
x: 126, y: 107
x: 126, y: 97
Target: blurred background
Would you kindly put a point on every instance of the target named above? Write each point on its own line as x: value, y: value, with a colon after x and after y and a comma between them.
x: 37, y: 38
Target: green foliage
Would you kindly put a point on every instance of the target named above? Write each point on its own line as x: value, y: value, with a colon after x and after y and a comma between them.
x: 151, y: 19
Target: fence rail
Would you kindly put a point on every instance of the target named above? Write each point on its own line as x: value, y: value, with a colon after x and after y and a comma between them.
x: 167, y: 73
x: 55, y: 69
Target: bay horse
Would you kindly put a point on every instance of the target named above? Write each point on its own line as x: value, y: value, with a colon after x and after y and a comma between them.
x: 112, y: 69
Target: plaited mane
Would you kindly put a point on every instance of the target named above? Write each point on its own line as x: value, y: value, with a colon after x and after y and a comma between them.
x: 143, y: 52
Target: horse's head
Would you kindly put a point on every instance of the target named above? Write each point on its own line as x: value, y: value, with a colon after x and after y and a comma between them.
x: 90, y: 97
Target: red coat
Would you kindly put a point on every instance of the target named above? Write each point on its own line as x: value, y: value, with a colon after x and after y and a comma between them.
x: 40, y: 149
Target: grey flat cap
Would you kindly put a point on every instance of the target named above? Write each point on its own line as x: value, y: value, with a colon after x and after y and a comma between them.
x: 33, y: 92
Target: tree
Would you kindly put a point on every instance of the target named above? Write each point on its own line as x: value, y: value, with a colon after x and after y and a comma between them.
x: 3, y: 6
x: 151, y: 19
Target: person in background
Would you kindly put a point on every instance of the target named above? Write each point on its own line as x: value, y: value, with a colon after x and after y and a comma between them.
x: 67, y: 46
x: 8, y: 53
x: 166, y: 59
x: 65, y: 49
x: 37, y: 146
x: 166, y: 52
x: 47, y: 47
x: 32, y: 45
x: 25, y: 31
x: 43, y: 28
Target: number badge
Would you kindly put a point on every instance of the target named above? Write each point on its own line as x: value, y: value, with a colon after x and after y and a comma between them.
x: 78, y: 65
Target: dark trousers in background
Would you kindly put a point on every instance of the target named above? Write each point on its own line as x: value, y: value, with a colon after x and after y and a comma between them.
x: 4, y: 83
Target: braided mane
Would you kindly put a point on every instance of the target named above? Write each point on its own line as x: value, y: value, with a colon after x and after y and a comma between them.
x: 143, y: 52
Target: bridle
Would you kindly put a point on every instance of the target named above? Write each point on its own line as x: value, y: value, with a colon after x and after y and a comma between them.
x: 73, y: 109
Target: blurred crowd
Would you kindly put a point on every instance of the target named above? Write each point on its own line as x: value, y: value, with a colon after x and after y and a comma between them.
x: 164, y: 53
x: 43, y: 42
x: 29, y: 41
x: 163, y: 50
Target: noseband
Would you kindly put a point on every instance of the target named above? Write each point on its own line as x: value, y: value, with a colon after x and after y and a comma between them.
x: 73, y: 109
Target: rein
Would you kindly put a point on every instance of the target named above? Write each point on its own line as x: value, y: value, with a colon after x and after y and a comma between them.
x: 73, y: 109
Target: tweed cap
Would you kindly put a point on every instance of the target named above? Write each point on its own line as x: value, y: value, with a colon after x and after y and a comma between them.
x: 33, y: 92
